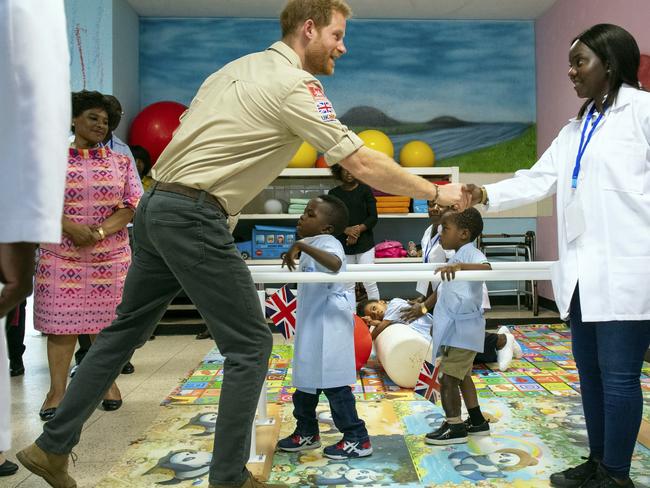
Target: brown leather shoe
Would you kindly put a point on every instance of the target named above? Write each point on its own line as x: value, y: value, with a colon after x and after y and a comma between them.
x: 53, y: 468
x: 252, y: 482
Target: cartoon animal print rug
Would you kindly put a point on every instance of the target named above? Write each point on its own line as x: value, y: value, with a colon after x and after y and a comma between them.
x: 531, y: 437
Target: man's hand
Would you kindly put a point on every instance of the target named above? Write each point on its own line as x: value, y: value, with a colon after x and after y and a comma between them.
x: 474, y: 192
x: 448, y: 272
x: 454, y: 195
x: 289, y: 259
x: 16, y: 272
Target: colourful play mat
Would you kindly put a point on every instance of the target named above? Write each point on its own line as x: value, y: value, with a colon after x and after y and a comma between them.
x: 547, y: 368
x: 534, y: 408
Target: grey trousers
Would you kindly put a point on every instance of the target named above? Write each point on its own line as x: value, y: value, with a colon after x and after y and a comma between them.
x: 180, y: 242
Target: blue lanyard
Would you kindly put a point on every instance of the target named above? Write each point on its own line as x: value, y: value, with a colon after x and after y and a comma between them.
x: 584, y: 143
x: 432, y: 242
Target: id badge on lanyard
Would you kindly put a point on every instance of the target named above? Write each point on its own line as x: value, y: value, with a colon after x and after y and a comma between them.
x: 430, y: 246
x: 574, y: 217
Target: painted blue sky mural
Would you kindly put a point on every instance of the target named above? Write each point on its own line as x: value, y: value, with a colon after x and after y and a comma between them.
x: 414, y: 71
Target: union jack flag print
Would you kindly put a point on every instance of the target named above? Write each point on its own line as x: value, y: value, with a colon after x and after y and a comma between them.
x: 281, y: 309
x: 326, y: 110
x: 428, y: 385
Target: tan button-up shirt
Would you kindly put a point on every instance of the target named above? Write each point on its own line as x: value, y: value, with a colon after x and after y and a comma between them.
x: 245, y: 124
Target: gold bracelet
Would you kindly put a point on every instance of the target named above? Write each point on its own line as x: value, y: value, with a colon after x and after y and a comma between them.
x: 424, y: 309
x: 484, y: 196
x: 102, y: 234
x: 435, y: 200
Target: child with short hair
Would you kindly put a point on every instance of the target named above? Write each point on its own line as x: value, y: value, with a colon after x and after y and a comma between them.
x: 460, y: 328
x: 324, y: 358
x: 379, y: 315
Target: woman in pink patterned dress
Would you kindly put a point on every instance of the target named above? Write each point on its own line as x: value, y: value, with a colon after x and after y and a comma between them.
x: 79, y: 282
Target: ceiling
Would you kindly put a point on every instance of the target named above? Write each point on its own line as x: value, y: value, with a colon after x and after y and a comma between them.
x: 364, y: 9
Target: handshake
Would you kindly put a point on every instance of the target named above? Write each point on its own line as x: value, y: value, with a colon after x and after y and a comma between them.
x: 460, y: 196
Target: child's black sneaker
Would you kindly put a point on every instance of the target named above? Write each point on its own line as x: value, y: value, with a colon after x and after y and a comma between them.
x: 348, y: 449
x: 481, y: 429
x: 447, y: 434
x: 298, y: 442
x: 576, y: 476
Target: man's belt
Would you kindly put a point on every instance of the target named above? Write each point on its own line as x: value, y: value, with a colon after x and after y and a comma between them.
x: 193, y: 193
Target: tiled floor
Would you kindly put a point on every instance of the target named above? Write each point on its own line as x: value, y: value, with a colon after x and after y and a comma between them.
x: 158, y: 366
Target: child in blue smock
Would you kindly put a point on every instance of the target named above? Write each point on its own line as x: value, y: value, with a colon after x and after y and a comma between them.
x: 323, y: 359
x: 459, y: 328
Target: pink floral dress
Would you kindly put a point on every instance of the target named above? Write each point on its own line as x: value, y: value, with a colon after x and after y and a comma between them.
x: 77, y: 289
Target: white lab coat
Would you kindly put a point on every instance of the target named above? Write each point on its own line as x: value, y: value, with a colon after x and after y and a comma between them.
x: 35, y: 101
x: 324, y: 343
x: 611, y: 259
x: 432, y: 252
x: 5, y: 414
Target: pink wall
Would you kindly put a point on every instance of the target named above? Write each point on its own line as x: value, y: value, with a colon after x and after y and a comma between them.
x: 556, y: 100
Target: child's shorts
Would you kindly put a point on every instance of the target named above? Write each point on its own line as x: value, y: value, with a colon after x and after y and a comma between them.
x: 456, y: 362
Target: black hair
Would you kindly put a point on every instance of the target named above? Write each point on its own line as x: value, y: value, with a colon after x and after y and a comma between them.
x: 142, y: 154
x: 86, y: 100
x: 336, y: 170
x: 338, y: 216
x: 361, y: 306
x: 619, y: 53
x: 469, y: 219
x: 114, y: 112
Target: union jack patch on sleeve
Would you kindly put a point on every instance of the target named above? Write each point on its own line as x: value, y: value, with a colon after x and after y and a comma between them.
x: 323, y: 105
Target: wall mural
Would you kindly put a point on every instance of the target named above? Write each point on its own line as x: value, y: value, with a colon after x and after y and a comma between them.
x: 466, y: 88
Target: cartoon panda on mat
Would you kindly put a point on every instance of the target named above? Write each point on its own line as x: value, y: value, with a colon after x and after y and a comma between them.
x: 207, y: 421
x: 489, y: 466
x: 342, y: 474
x: 185, y: 465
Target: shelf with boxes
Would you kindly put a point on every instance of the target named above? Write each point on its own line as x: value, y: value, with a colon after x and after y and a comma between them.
x: 299, y: 183
x: 264, y: 232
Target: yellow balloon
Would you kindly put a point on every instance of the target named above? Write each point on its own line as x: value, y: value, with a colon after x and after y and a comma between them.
x: 416, y: 154
x: 377, y: 140
x: 305, y: 157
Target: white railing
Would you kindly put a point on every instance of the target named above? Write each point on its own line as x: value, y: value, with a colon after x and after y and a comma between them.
x: 408, y: 272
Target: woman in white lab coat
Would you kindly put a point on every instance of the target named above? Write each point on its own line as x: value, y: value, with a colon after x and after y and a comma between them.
x: 34, y: 93
x: 599, y: 169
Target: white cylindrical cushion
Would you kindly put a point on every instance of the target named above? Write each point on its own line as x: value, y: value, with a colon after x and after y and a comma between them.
x: 401, y: 351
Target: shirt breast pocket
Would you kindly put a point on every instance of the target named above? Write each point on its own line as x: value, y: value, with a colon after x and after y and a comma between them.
x: 625, y: 170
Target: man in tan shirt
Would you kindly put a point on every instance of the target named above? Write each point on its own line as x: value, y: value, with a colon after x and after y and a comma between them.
x: 241, y: 129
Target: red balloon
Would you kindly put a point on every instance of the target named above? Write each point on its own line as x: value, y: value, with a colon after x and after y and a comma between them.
x: 153, y: 127
x: 320, y: 162
x: 362, y: 342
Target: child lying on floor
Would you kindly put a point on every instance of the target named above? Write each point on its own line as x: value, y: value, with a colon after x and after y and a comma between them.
x: 379, y: 314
